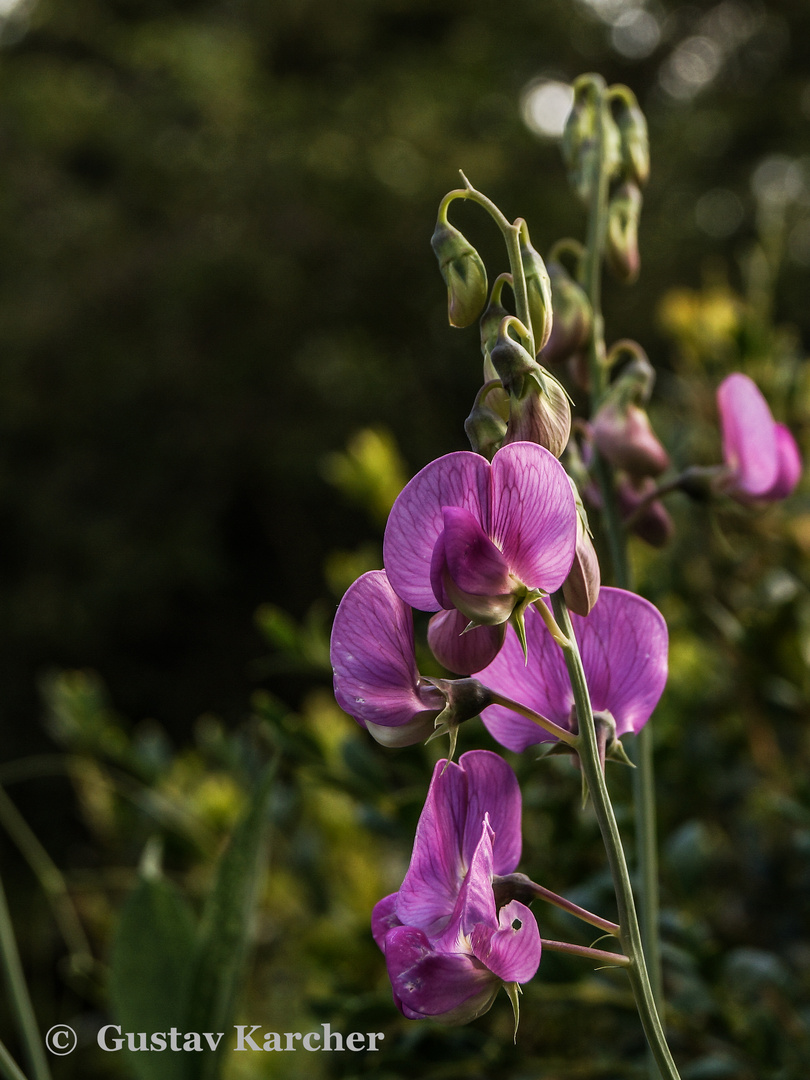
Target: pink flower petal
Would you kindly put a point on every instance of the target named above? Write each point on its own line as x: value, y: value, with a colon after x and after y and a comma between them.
x: 534, y: 517
x: 416, y: 520
x: 512, y: 952
x: 749, y: 437
x: 462, y: 652
x: 372, y: 655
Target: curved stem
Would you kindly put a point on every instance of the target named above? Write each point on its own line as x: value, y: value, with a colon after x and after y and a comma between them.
x: 9, y: 1069
x: 630, y: 936
x: 511, y: 235
x: 519, y: 887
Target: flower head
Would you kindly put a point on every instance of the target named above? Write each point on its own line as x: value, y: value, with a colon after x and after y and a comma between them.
x: 623, y: 642
x: 448, y: 948
x: 761, y: 456
x: 481, y: 537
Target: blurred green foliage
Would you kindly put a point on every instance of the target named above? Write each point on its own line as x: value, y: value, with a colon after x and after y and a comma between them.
x: 223, y: 347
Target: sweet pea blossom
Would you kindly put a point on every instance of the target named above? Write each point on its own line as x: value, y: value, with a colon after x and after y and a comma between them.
x: 623, y: 644
x: 375, y: 676
x: 761, y: 456
x: 448, y: 948
x: 482, y: 538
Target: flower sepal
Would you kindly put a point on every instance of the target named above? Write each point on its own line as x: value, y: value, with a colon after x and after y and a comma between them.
x: 465, y: 699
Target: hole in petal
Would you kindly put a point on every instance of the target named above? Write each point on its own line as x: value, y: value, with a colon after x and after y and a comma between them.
x: 516, y: 924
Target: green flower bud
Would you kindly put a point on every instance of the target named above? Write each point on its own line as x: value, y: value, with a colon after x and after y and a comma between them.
x: 463, y: 271
x: 622, y: 232
x: 581, y: 143
x: 512, y: 363
x: 573, y: 317
x: 633, y: 138
x: 538, y: 288
x: 486, y: 424
x: 490, y: 325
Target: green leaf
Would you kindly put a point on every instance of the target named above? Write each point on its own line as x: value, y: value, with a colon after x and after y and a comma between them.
x: 150, y: 965
x: 224, y: 935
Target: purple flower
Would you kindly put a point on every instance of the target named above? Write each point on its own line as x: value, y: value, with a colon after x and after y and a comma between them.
x: 484, y: 539
x: 448, y: 948
x: 623, y: 643
x: 762, y: 456
x: 375, y: 675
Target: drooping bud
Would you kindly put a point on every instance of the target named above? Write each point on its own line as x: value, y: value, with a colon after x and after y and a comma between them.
x: 538, y: 288
x: 573, y: 317
x: 486, y: 424
x: 622, y: 252
x: 512, y: 362
x: 465, y: 699
x: 581, y: 147
x: 581, y: 587
x: 621, y: 428
x: 463, y: 271
x: 633, y: 137
x: 541, y: 414
x: 490, y: 324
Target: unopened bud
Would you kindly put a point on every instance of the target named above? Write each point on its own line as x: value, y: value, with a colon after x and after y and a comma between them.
x: 512, y: 363
x: 582, y: 146
x: 541, y: 413
x: 621, y: 428
x: 490, y: 326
x: 464, y: 274
x: 486, y: 424
x: 581, y: 587
x: 622, y: 252
x: 633, y: 137
x: 573, y: 317
x: 538, y: 288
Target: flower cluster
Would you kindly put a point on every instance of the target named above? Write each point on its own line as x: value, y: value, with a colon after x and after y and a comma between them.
x: 494, y: 546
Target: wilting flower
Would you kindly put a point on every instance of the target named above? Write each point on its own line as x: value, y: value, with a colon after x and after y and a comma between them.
x: 375, y: 676
x: 448, y: 948
x: 484, y: 539
x: 623, y: 643
x: 762, y: 456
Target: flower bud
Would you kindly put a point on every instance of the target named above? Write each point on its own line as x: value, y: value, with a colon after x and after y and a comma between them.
x: 486, y: 425
x: 581, y: 587
x: 573, y: 318
x: 621, y: 428
x: 624, y: 436
x: 464, y: 274
x: 622, y: 232
x: 633, y: 138
x: 490, y: 326
x: 538, y: 288
x: 512, y: 363
x: 581, y: 142
x: 541, y: 413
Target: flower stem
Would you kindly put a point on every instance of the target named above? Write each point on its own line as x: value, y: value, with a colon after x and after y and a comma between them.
x: 630, y: 936
x: 616, y: 536
x: 602, y: 955
x: 18, y: 995
x: 558, y: 732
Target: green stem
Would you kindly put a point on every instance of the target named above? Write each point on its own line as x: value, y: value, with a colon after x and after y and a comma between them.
x: 616, y: 536
x: 18, y: 995
x: 630, y: 936
x: 9, y: 1069
x: 547, y: 725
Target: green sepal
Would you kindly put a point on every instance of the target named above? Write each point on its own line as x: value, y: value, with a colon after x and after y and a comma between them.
x: 513, y: 992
